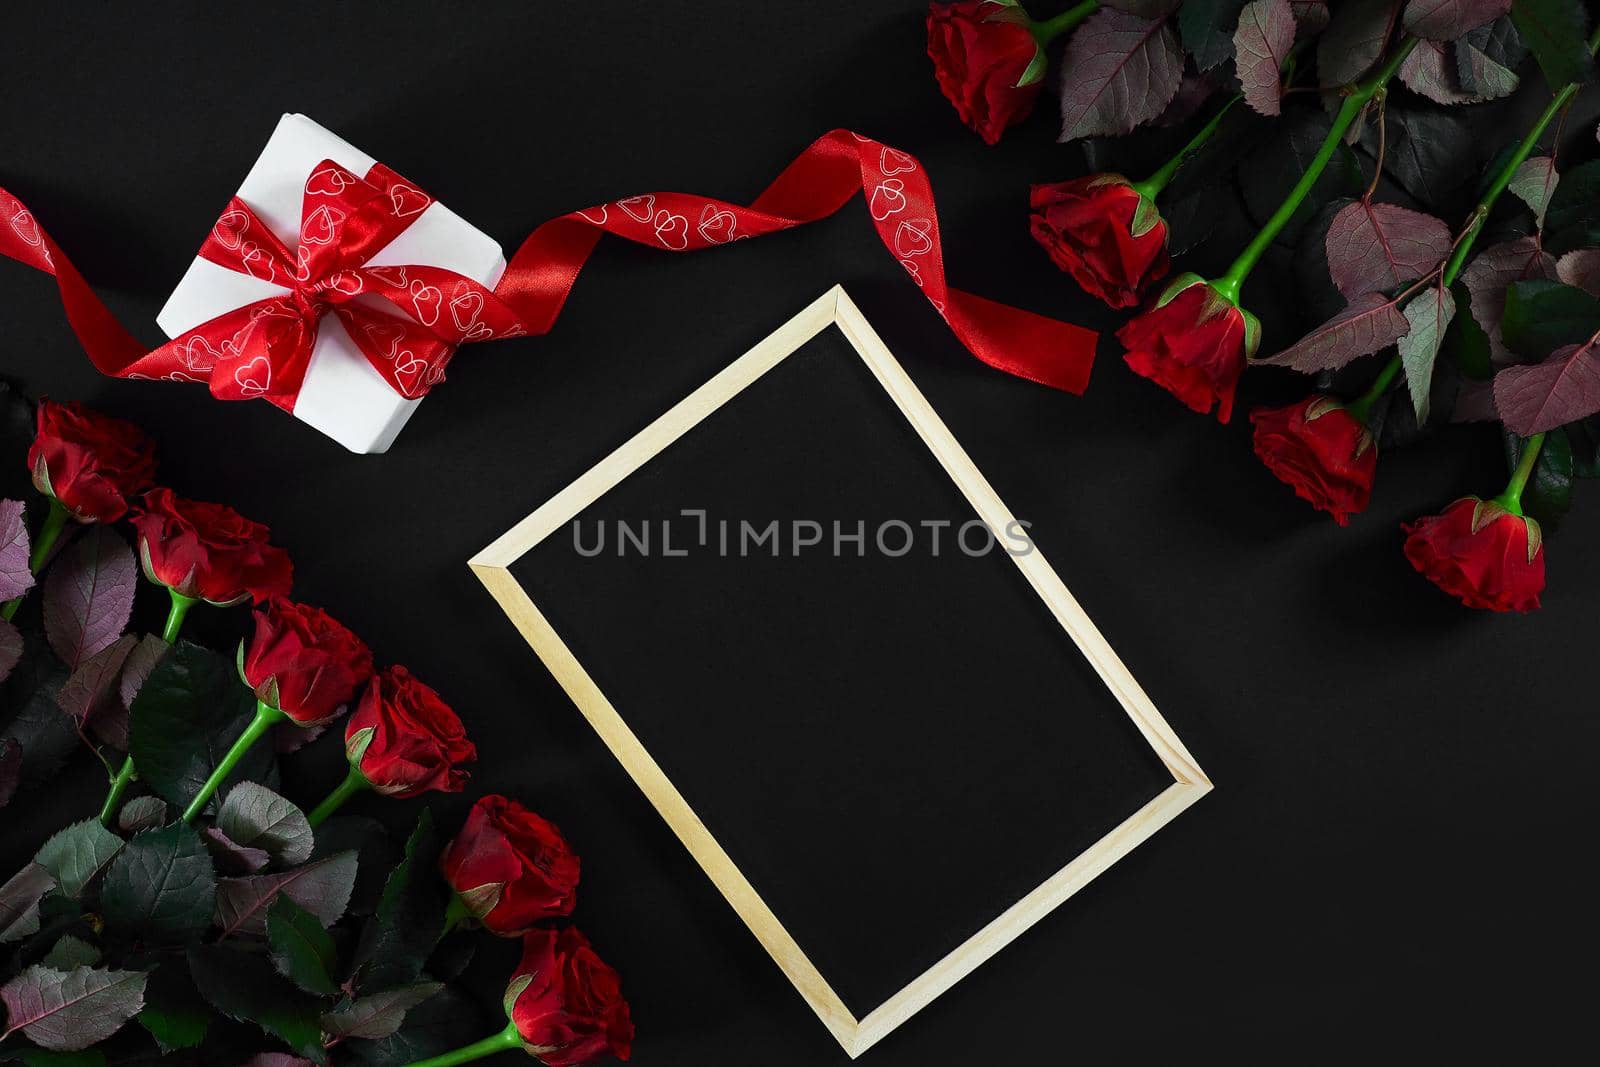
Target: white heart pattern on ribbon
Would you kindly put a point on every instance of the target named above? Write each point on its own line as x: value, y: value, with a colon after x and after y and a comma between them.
x: 639, y: 208
x: 328, y: 181
x: 889, y: 198
x: 255, y: 377
x: 407, y: 201
x: 230, y: 229
x: 914, y: 237
x: 321, y: 227
x: 892, y: 161
x: 425, y: 301
x: 717, y: 224
x: 672, y: 230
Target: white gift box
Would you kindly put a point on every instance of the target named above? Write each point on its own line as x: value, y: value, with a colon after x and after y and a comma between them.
x: 342, y: 395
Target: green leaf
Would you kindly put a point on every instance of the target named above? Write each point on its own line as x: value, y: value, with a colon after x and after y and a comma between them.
x: 1584, y: 438
x: 1429, y: 314
x: 69, y: 952
x: 397, y: 939
x: 377, y: 849
x: 1548, y: 495
x: 77, y: 854
x: 321, y: 887
x: 1542, y: 316
x: 1554, y: 30
x: 378, y: 1015
x: 174, y: 1013
x: 1206, y: 27
x: 1272, y: 170
x: 243, y: 986
x: 66, y: 1011
x: 1572, y: 219
x: 253, y: 816
x: 187, y: 715
x: 302, y: 951
x: 1466, y: 341
x: 161, y: 888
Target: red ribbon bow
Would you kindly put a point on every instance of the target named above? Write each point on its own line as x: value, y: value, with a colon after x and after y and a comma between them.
x: 262, y: 349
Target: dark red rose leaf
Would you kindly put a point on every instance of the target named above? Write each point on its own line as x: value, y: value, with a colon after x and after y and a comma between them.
x: 1431, y: 71
x: 144, y: 658
x: 1429, y: 314
x: 1354, y: 39
x: 1145, y: 9
x: 88, y: 595
x: 1445, y: 20
x: 89, y: 688
x: 10, y: 648
x: 1562, y: 389
x: 1488, y: 277
x: 1374, y: 246
x: 1370, y: 324
x: 1124, y: 72
x: 1193, y: 91
x: 1310, y: 16
x: 1260, y: 45
x: 1581, y: 269
x: 15, y: 577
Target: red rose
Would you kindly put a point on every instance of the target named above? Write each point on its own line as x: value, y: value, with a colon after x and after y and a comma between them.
x: 978, y: 60
x: 1193, y: 343
x: 208, y: 551
x: 1321, y: 451
x: 303, y: 662
x: 566, y: 1002
x: 405, y: 740
x: 1103, y: 232
x: 511, y: 867
x: 1481, y: 554
x: 90, y: 462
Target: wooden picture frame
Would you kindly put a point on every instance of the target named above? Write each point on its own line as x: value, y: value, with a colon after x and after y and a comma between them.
x: 492, y: 566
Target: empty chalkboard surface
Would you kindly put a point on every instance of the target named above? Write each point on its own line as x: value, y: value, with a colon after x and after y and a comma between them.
x: 889, y: 735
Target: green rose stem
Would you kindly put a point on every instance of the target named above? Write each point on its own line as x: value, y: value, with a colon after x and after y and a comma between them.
x: 176, y: 613
x: 1475, y: 221
x: 1232, y: 282
x: 1049, y: 29
x: 508, y: 1038
x: 55, y: 520
x: 1511, y: 497
x: 266, y: 718
x: 1152, y: 186
x: 354, y: 782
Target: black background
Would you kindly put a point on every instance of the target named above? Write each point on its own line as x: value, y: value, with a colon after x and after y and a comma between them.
x: 1398, y: 853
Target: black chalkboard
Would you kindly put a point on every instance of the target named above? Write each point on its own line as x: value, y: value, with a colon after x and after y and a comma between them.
x: 893, y: 747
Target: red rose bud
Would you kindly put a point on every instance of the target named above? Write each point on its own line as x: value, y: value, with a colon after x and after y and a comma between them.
x: 1103, y: 232
x: 981, y: 54
x: 1193, y: 342
x: 1481, y: 554
x: 208, y: 551
x: 1321, y: 451
x: 566, y: 1002
x: 405, y: 740
x: 510, y: 867
x: 303, y: 662
x: 89, y: 462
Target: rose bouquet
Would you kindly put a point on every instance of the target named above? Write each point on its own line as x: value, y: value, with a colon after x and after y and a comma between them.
x: 202, y: 917
x: 1362, y: 151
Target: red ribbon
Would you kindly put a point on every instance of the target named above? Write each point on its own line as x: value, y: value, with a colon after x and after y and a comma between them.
x: 262, y: 348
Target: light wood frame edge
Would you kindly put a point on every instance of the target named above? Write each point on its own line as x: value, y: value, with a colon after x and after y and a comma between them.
x: 492, y: 566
